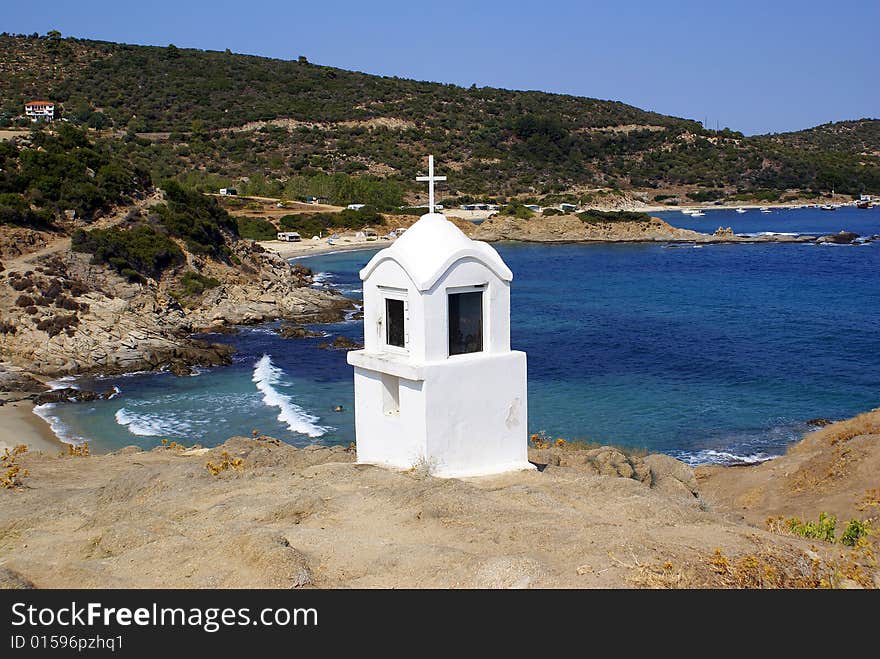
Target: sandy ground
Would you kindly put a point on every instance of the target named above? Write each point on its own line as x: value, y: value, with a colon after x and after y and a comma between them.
x: 276, y: 516
x: 835, y: 470
x: 19, y: 425
x: 313, y: 247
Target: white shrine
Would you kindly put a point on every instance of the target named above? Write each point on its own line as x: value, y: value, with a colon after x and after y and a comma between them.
x: 436, y: 382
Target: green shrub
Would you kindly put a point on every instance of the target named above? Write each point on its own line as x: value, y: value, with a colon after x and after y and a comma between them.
x: 854, y: 532
x: 821, y: 530
x: 549, y: 212
x: 518, y: 211
x: 63, y: 170
x: 705, y: 195
x: 133, y: 253
x: 255, y: 228
x: 194, y: 283
x: 598, y: 217
x: 15, y: 210
x: 312, y: 224
x: 197, y: 219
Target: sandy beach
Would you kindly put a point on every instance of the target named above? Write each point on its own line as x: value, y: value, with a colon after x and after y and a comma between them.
x: 19, y: 425
x: 314, y: 247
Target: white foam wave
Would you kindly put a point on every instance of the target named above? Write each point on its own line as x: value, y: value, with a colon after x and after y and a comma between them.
x: 761, y: 234
x: 151, y: 425
x: 711, y: 456
x: 321, y: 278
x: 266, y: 375
x: 59, y: 428
x: 68, y: 381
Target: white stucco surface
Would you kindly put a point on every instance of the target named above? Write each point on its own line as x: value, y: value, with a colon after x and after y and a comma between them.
x: 430, y: 247
x: 460, y: 415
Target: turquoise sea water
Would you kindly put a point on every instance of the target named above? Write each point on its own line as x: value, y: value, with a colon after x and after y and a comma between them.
x: 713, y: 354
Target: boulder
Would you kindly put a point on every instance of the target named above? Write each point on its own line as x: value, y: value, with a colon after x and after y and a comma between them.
x: 672, y: 477
x: 341, y: 343
x: 296, y: 332
x: 71, y: 395
x: 840, y: 238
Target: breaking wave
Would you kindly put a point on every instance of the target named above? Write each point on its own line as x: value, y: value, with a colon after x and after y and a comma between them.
x: 151, y: 425
x: 713, y: 457
x: 59, y: 428
x: 266, y: 376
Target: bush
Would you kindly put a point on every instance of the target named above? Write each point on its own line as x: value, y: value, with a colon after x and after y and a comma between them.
x: 312, y: 224
x: 199, y: 220
x: 598, y: 217
x: 15, y: 210
x: 57, y: 324
x: 24, y: 301
x: 518, y: 211
x: 194, y: 283
x: 549, y: 212
x: 63, y: 170
x: 64, y: 302
x: 254, y: 228
x: 133, y: 253
x: 854, y: 532
x: 821, y: 530
x: 705, y: 195
x: 22, y: 284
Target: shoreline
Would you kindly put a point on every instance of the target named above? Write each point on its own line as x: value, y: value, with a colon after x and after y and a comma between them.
x: 310, y: 248
x: 19, y: 424
x: 660, y: 208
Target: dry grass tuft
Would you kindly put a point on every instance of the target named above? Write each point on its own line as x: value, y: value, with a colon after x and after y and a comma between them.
x: 12, y: 472
x: 78, y: 450
x: 226, y: 462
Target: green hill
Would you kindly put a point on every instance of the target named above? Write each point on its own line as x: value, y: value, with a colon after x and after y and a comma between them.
x: 212, y: 117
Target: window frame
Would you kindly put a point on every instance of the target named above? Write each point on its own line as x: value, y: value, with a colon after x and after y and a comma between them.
x: 388, y: 293
x: 484, y: 318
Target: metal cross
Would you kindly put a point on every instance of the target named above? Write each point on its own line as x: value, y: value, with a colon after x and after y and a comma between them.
x: 431, y: 179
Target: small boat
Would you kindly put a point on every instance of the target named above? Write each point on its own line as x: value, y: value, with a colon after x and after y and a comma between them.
x: 740, y: 210
x: 863, y: 204
x: 765, y: 210
x: 697, y: 214
x: 827, y: 207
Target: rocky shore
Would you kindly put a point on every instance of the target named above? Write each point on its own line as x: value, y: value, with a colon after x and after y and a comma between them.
x: 256, y: 512
x: 64, y: 316
x: 569, y: 228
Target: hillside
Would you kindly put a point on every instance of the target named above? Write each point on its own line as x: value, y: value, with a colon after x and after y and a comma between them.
x: 289, y: 126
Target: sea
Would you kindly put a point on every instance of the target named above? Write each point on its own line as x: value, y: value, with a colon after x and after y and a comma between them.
x: 710, y: 353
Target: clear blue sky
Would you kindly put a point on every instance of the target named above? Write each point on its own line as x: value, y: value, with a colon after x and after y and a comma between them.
x: 753, y: 66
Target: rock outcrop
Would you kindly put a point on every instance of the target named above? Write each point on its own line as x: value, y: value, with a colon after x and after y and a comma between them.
x: 569, y: 228
x: 63, y: 315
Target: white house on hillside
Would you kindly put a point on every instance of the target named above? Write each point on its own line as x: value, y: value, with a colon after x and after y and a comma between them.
x: 37, y: 110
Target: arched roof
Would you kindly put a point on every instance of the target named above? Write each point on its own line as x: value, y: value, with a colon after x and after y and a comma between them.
x: 428, y: 249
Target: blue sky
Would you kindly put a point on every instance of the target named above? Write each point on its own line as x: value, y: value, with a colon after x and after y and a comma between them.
x: 753, y: 66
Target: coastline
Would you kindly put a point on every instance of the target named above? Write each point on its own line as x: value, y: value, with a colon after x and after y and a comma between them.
x: 313, y: 248
x: 20, y: 425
